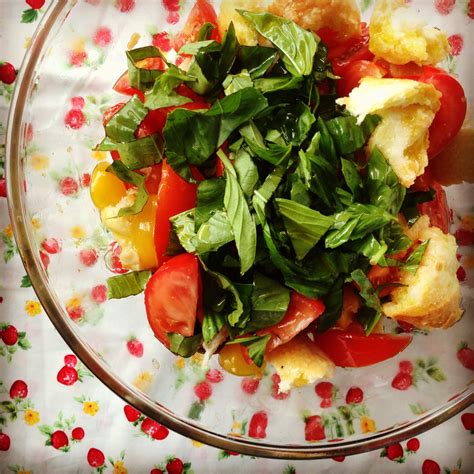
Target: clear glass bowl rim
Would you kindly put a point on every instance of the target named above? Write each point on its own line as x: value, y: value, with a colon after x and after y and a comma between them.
x: 53, y: 18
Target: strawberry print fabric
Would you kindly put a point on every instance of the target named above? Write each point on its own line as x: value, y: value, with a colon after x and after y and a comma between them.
x: 56, y: 417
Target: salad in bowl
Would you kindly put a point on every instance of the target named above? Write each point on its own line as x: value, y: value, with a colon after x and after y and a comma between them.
x: 271, y: 187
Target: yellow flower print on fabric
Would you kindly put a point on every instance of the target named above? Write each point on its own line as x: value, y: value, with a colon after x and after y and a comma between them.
x: 31, y: 417
x: 367, y: 425
x: 39, y: 161
x: 90, y: 408
x: 77, y: 232
x: 143, y: 381
x: 7, y: 230
x: 119, y: 468
x: 33, y: 308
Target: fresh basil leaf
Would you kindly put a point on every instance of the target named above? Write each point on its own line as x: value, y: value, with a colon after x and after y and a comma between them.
x: 298, y: 192
x: 184, y: 346
x: 368, y: 318
x: 274, y: 154
x: 163, y: 93
x: 247, y: 172
x: 121, y: 127
x: 304, y: 225
x: 333, y: 302
x: 351, y: 176
x: 369, y: 295
x: 212, y: 324
x: 131, y: 177
x: 205, y: 32
x: 382, y: 185
x: 193, y: 48
x: 256, y: 346
x: 270, y: 302
x: 369, y: 247
x: 183, y: 226
x: 325, y: 142
x: 395, y: 238
x: 410, y: 204
x: 141, y: 153
x: 294, y: 121
x: 357, y: 221
x: 210, y: 198
x: 214, y: 233
x: 235, y: 82
x: 274, y: 84
x: 192, y: 137
x: 347, y: 135
x: 297, y: 45
x: 413, y: 261
x: 322, y: 67
x: 264, y: 193
x: 139, y: 77
x: 257, y: 60
x: 128, y: 284
x: 241, y: 221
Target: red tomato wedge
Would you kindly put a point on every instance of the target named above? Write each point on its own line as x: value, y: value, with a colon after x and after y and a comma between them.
x: 175, y: 195
x: 437, y: 209
x: 385, y: 277
x: 202, y: 12
x: 301, y: 312
x: 122, y: 86
x: 171, y: 297
x: 352, y: 348
x: 353, y: 73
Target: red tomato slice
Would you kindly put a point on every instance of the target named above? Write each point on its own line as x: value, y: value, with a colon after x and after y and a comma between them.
x: 353, y: 73
x: 437, y: 209
x: 110, y: 112
x: 202, y: 12
x: 450, y: 117
x: 152, y: 178
x: 301, y: 312
x: 385, y: 276
x: 351, y: 348
x: 342, y: 54
x: 175, y: 195
x: 122, y: 86
x: 171, y: 297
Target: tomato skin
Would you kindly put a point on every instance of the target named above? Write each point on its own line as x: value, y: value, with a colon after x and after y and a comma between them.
x: 201, y: 13
x: 437, y: 209
x: 175, y: 195
x: 171, y: 297
x: 122, y: 86
x: 301, y: 312
x: 353, y: 73
x: 383, y: 276
x: 352, y: 348
x: 341, y: 54
x: 110, y: 112
x: 450, y: 116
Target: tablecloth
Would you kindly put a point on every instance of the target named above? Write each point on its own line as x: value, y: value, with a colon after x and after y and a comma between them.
x: 47, y: 426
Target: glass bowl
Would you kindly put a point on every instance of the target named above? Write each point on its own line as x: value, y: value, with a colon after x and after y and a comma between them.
x: 67, y: 254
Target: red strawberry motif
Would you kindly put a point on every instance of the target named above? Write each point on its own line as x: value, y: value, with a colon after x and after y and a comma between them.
x: 113, y: 259
x: 258, y: 425
x: 99, y: 293
x: 7, y: 73
x: 95, y: 457
x: 430, y: 467
x: 102, y: 37
x: 88, y: 257
x: 444, y: 7
x: 135, y: 347
x: 154, y: 429
x: 44, y: 259
x: 75, y: 312
x: 325, y: 403
x: 464, y: 237
x: 51, y: 245
x: 467, y: 420
x: 175, y: 466
x: 59, y: 439
x: 250, y: 385
x: 465, y: 355
x: 162, y: 40
x: 354, y: 395
x: 9, y: 335
x: 68, y: 186
x: 314, y: 429
x: 405, y: 367
x: 78, y: 103
x: 85, y: 180
x: 456, y: 42
x: 171, y: 5
x: 157, y: 471
x: 3, y: 188
x: 214, y: 375
x: 19, y: 389
x: 35, y: 4
x: 125, y: 5
x: 77, y: 58
x: 324, y: 389
x: 470, y: 9
x: 74, y: 119
x: 70, y: 360
x: 4, y: 441
x: 402, y: 381
x: 131, y: 413
x: 394, y: 452
x: 203, y: 390
x: 276, y: 394
x: 338, y: 458
x: 413, y: 445
x: 78, y: 433
x: 67, y: 376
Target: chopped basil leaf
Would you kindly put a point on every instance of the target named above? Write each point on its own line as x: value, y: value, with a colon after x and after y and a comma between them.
x: 141, y: 153
x: 121, y: 127
x: 140, y: 77
x: 256, y: 346
x: 184, y: 346
x: 368, y: 293
x: 128, y: 284
x: 333, y: 306
x: 413, y: 261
